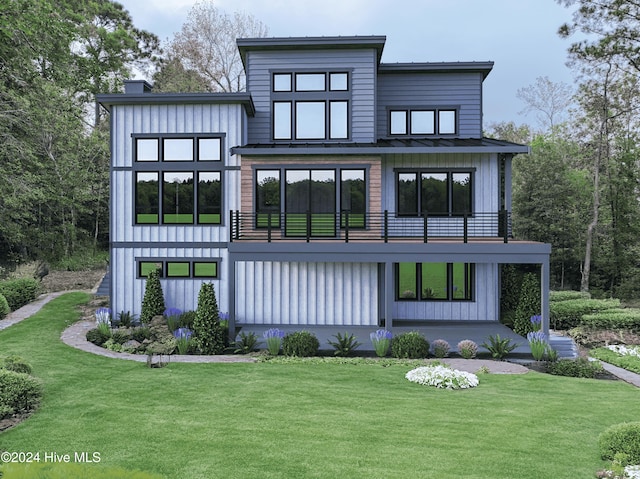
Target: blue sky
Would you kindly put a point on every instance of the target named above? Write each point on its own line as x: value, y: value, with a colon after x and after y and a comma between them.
x: 518, y: 35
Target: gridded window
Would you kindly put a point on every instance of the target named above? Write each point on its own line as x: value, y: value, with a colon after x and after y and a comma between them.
x: 146, y: 267
x: 209, y: 197
x: 434, y: 193
x: 147, y: 198
x: 422, y: 122
x: 177, y: 197
x: 434, y: 281
x: 282, y: 120
x: 179, y: 268
x: 205, y: 269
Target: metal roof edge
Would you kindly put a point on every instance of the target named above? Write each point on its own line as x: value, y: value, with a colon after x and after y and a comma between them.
x: 373, y: 150
x: 437, y: 67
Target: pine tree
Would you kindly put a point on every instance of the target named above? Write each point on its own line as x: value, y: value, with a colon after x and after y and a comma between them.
x: 153, y: 301
x: 209, y: 336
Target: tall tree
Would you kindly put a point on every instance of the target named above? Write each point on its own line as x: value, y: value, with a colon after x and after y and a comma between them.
x: 549, y: 99
x: 206, y: 45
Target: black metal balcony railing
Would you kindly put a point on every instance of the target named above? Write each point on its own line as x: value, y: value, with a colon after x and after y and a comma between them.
x: 386, y: 226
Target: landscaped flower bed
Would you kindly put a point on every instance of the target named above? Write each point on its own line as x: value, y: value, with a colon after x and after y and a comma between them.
x: 442, y: 377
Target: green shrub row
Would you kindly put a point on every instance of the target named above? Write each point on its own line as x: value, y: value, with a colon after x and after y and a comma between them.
x: 19, y: 292
x: 4, y: 307
x: 618, y: 318
x: 19, y: 393
x: 575, y: 368
x: 628, y: 362
x: 568, y: 314
x: 621, y: 438
x: 568, y: 295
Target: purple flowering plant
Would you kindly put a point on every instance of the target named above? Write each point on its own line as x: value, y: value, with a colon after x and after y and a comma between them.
x: 273, y: 336
x: 537, y: 343
x: 183, y: 339
x: 381, y: 340
x: 536, y: 322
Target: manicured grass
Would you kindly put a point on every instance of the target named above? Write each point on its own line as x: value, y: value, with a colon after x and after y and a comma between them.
x: 305, y: 420
x: 631, y: 363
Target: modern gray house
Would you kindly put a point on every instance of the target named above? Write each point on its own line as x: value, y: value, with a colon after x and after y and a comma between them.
x: 338, y: 191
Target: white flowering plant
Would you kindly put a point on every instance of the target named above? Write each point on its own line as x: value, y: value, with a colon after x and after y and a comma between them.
x: 442, y: 377
x: 623, y: 350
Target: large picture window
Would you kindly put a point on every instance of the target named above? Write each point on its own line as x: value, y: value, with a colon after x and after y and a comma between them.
x: 445, y: 193
x: 310, y: 106
x: 434, y: 281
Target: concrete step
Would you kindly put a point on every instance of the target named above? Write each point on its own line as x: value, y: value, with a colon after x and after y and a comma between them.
x: 564, y: 345
x: 104, y: 289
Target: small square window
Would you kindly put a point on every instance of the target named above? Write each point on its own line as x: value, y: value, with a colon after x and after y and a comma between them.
x: 399, y: 122
x: 177, y: 269
x: 147, y: 149
x: 282, y: 82
x: 178, y: 149
x: 338, y: 81
x: 207, y: 269
x: 447, y: 122
x: 423, y: 122
x: 146, y: 267
x: 209, y: 149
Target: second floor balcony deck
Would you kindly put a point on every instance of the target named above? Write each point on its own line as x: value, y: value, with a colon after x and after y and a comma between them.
x: 370, y: 227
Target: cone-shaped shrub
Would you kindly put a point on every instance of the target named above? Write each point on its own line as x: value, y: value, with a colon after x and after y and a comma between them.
x: 209, y: 337
x: 153, y: 301
x: 529, y: 304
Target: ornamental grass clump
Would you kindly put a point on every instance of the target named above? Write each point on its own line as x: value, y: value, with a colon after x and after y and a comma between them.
x: 273, y: 339
x: 467, y: 349
x: 183, y: 339
x: 103, y: 320
x: 172, y: 316
x: 443, y: 377
x: 440, y: 348
x: 381, y: 340
x: 538, y: 344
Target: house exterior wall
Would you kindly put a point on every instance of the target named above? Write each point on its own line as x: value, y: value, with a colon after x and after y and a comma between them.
x: 462, y: 91
x: 295, y: 293
x: 361, y: 65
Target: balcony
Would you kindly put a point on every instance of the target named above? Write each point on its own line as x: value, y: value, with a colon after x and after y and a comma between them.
x: 383, y: 227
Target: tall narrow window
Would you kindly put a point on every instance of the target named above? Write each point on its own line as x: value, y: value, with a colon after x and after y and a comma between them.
x: 312, y: 191
x: 338, y: 119
x: 147, y: 198
x: 353, y: 198
x: 398, y: 122
x: 268, y: 198
x: 209, y: 198
x: 446, y: 122
x: 407, y: 281
x: 435, y: 199
x: 435, y: 281
x: 282, y: 120
x: 460, y: 193
x: 177, y: 197
x: 407, y: 194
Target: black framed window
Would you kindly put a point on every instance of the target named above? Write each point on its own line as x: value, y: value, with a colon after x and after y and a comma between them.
x: 445, y: 193
x: 417, y: 122
x: 434, y: 281
x: 183, y: 268
x: 177, y: 197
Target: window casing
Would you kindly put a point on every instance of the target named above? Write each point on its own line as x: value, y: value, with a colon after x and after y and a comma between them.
x: 421, y: 122
x: 433, y: 192
x: 179, y: 268
x: 434, y: 281
x: 178, y: 179
x: 310, y: 106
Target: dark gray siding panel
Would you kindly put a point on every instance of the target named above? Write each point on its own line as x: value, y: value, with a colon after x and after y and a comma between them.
x: 360, y: 63
x: 460, y: 90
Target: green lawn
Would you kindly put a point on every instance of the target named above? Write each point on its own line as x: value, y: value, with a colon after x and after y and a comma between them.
x: 305, y: 420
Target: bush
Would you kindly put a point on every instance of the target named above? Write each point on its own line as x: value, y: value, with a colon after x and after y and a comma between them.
x: 19, y: 292
x: 153, y: 301
x: 410, y: 345
x: 618, y: 318
x: 301, y: 344
x: 97, y: 337
x: 4, y: 307
x: 245, y: 343
x: 568, y: 295
x: 528, y: 305
x: 621, y: 438
x: 467, y: 349
x: 209, y: 337
x: 120, y: 337
x: 16, y: 364
x: 344, y: 345
x: 19, y: 392
x: 568, y: 314
x: 141, y: 333
x: 575, y: 368
x: 440, y: 348
x: 187, y: 318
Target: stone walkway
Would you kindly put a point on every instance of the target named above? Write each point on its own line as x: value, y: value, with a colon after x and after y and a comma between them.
x: 75, y: 336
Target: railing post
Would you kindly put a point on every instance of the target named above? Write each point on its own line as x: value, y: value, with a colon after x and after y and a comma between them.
x: 346, y: 226
x: 386, y: 226
x: 230, y: 226
x: 465, y: 221
x: 308, y: 225
x: 426, y: 220
x: 505, y: 231
x: 269, y: 227
x: 237, y: 224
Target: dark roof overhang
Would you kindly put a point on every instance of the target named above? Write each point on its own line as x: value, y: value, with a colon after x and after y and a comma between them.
x: 437, y: 67
x: 387, y: 146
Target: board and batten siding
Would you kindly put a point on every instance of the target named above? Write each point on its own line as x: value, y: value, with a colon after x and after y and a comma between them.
x: 127, y: 290
x: 484, y: 307
x: 307, y: 294
x: 432, y: 90
x: 361, y: 65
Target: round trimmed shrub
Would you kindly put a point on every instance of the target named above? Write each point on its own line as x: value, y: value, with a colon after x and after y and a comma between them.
x: 410, y: 345
x: 19, y: 392
x: 4, y: 307
x: 300, y: 343
x: 621, y: 438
